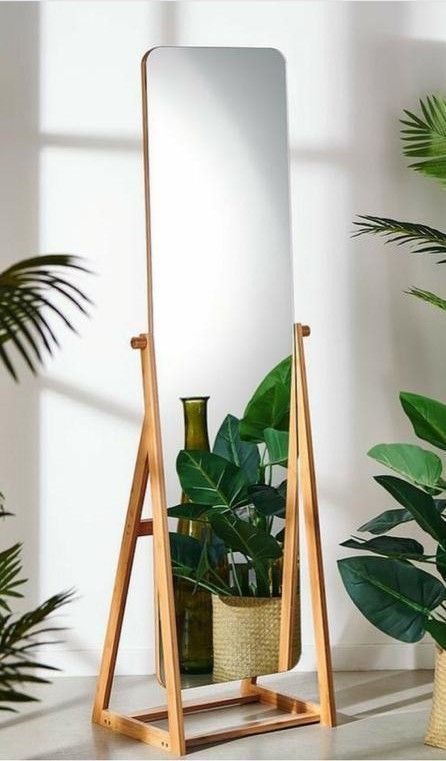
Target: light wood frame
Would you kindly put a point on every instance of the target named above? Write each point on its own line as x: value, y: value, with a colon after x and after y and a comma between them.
x: 149, y: 461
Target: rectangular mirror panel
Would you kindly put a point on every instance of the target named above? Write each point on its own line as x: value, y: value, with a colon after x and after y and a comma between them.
x: 222, y: 320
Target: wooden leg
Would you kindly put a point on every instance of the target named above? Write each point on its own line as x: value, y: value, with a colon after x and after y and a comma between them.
x: 288, y: 613
x: 310, y: 509
x: 163, y: 569
x: 122, y: 579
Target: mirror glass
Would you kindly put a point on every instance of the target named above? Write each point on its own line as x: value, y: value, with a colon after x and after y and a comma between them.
x: 222, y: 320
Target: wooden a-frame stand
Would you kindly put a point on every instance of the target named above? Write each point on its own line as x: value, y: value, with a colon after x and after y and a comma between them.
x: 301, y: 474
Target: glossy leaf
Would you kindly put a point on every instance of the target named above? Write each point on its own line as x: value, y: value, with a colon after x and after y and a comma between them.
x: 185, y: 550
x: 269, y: 407
x: 277, y: 445
x: 440, y: 561
x: 189, y: 510
x: 394, y: 596
x: 419, y: 504
x: 209, y: 479
x: 427, y: 416
x: 244, y: 454
x: 391, y: 546
x: 241, y: 536
x: 386, y: 521
x: 411, y: 461
x: 391, y: 518
x: 437, y: 629
x: 267, y: 500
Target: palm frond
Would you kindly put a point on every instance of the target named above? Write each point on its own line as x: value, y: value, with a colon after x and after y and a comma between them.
x: 425, y: 137
x: 422, y: 238
x: 20, y: 635
x: 3, y: 512
x: 27, y: 307
x: 431, y: 298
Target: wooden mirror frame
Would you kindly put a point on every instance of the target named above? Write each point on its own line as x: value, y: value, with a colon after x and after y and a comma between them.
x: 301, y: 482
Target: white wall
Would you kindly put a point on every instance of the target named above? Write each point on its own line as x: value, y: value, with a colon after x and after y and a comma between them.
x: 72, y: 181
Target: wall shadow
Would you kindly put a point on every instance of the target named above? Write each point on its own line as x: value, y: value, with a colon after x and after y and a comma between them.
x: 19, y: 212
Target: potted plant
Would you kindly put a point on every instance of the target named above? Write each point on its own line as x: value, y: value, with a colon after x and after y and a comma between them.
x: 237, y: 492
x: 391, y: 587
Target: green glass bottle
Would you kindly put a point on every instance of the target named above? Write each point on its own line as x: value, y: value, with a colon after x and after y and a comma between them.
x: 194, y: 608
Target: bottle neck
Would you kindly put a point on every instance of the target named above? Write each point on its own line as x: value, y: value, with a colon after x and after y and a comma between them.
x: 195, y: 423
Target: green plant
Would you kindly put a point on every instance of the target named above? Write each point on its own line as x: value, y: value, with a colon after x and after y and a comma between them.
x: 27, y: 304
x: 233, y: 489
x: 424, y: 137
x: 391, y: 587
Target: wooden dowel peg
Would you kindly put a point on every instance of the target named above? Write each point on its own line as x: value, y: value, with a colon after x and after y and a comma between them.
x: 306, y: 330
x: 138, y: 342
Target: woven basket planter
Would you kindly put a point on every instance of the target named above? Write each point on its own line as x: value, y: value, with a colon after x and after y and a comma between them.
x: 436, y: 730
x: 246, y: 633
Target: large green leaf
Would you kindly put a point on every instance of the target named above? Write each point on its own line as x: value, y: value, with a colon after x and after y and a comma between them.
x: 268, y: 500
x: 190, y: 562
x: 190, y: 511
x: 269, y: 407
x: 386, y: 521
x: 391, y: 518
x: 427, y: 416
x: 185, y: 550
x: 394, y: 596
x: 440, y: 562
x: 437, y: 629
x: 419, y: 504
x: 209, y: 479
x: 391, y: 546
x: 417, y: 464
x: 241, y: 536
x: 277, y: 443
x: 229, y: 445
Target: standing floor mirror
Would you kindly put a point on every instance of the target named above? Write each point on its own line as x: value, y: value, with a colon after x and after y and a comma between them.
x: 226, y: 430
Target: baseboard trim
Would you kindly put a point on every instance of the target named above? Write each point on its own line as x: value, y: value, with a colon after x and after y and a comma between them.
x: 366, y: 657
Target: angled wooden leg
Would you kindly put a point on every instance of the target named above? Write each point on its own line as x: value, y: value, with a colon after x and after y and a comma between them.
x: 290, y: 574
x: 120, y: 590
x: 163, y: 569
x: 311, y: 517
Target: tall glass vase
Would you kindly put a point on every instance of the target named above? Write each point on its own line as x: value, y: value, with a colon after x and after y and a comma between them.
x: 194, y: 607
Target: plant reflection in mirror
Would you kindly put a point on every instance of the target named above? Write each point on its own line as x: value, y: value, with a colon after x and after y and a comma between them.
x: 239, y: 489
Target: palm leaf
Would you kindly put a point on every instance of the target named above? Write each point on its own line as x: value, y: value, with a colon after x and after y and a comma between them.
x: 19, y: 635
x: 422, y: 238
x: 424, y: 137
x: 431, y: 298
x: 18, y: 638
x: 27, y: 293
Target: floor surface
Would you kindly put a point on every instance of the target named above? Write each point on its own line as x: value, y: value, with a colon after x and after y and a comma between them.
x: 382, y: 715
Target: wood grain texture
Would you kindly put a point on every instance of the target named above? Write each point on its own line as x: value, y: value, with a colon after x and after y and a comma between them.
x: 314, y: 547
x: 122, y: 579
x: 290, y: 574
x: 163, y: 568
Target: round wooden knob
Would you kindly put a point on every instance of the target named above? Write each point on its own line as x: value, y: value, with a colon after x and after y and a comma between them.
x: 138, y: 342
x: 306, y: 330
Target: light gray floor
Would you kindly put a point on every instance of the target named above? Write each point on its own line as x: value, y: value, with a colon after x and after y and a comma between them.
x: 382, y: 715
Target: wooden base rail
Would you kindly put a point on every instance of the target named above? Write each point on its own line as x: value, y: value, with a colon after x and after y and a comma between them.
x: 301, y: 473
x: 139, y: 726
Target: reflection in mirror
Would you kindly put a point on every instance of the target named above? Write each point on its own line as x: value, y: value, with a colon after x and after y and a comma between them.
x: 222, y: 319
